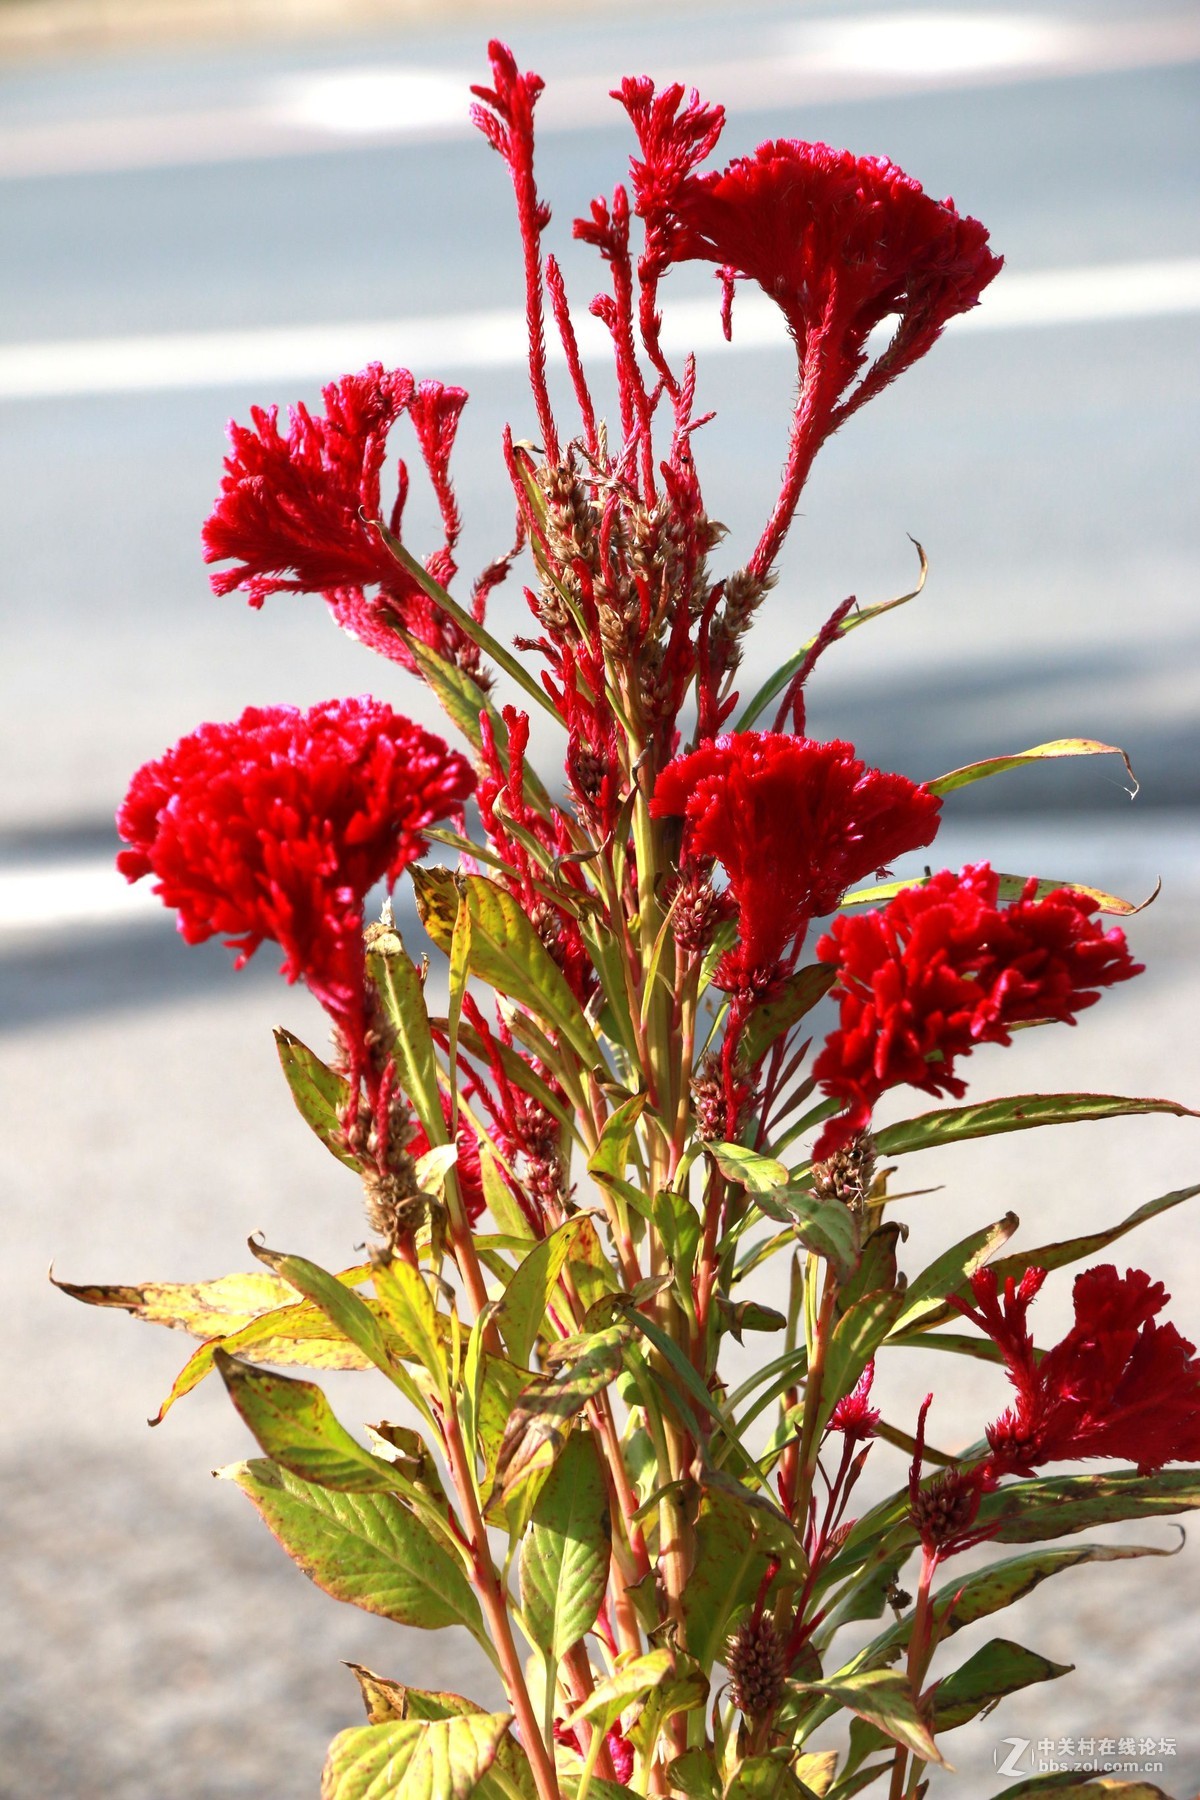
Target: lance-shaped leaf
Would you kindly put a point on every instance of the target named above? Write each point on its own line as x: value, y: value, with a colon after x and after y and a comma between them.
x: 824, y: 1226
x: 1053, y: 1256
x: 403, y: 1293
x: 296, y: 1426
x: 609, y: 1698
x: 1057, y: 1505
x: 522, y: 1311
x: 203, y: 1309
x: 343, y: 1308
x: 367, y: 1549
x: 416, y: 1759
x: 402, y: 994
x: 853, y: 1342
x: 610, y: 1159
x: 506, y: 951
x: 463, y: 700
x: 386, y: 1701
x: 565, y: 1551
x: 1017, y: 1112
x: 772, y: 1018
x: 726, y: 1571
x: 884, y: 1699
x: 1009, y: 887
x: 999, y: 765
x: 539, y: 1424
x: 948, y: 1273
x: 746, y: 1168
x: 320, y: 1094
x: 999, y: 1668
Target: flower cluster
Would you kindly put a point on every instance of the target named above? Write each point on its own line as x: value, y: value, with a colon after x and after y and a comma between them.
x: 279, y: 824
x: 943, y: 968
x: 793, y: 824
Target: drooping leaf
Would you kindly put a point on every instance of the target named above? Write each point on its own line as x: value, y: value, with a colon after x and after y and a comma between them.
x: 771, y: 1018
x: 1000, y: 1667
x: 320, y: 1094
x: 506, y: 951
x: 1018, y: 1112
x: 415, y: 1759
x: 344, y: 1308
x: 565, y: 1551
x: 203, y: 1309
x: 884, y: 1699
x: 999, y: 765
x: 388, y: 1701
x: 825, y: 1227
x: 368, y: 1549
x: 1009, y: 887
x: 1052, y: 1506
x: 522, y: 1310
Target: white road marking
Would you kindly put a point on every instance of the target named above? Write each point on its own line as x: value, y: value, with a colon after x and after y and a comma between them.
x: 835, y: 59
x: 458, y: 342
x: 53, y: 896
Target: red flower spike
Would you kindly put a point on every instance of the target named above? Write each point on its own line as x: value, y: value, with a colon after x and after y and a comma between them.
x: 1119, y: 1384
x: 278, y: 825
x: 941, y: 969
x: 854, y: 1415
x: 793, y: 823
x: 435, y: 410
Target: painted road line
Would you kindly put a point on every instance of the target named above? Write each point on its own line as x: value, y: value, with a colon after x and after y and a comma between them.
x: 458, y: 342
x: 818, y: 60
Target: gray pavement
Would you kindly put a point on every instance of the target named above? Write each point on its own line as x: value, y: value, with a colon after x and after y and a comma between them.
x: 155, y: 1641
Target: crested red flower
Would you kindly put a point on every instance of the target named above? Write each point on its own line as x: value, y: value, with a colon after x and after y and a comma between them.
x: 297, y: 509
x: 793, y: 823
x: 1119, y: 1384
x: 854, y: 1415
x: 278, y: 824
x: 943, y: 968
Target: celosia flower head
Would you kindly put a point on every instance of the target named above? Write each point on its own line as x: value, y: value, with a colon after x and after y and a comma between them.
x: 278, y: 824
x: 1119, y: 1384
x: 854, y: 1415
x: 943, y: 968
x: 793, y: 823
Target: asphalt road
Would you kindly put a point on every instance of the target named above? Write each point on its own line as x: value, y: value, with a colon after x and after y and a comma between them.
x: 155, y: 1642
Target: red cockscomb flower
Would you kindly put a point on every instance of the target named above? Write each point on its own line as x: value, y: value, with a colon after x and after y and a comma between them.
x: 854, y: 1415
x: 276, y: 826
x: 1119, y: 1384
x: 297, y: 510
x: 941, y: 969
x: 793, y: 823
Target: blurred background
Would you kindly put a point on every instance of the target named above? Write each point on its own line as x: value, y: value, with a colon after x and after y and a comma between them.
x: 206, y: 204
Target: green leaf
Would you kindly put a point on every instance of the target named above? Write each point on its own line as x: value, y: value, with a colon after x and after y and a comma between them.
x: 368, y: 1549
x: 398, y: 984
x: 999, y: 1668
x: 319, y: 1093
x: 884, y: 1699
x: 610, y: 1158
x: 1018, y: 1112
x: 521, y: 1313
x: 352, y: 1316
x: 416, y: 1759
x: 407, y: 1304
x: 539, y: 1424
x: 747, y: 1169
x: 1070, y: 1787
x: 296, y: 1426
x: 771, y: 1018
x: 824, y: 1226
x: 462, y: 701
x: 947, y: 1274
x: 506, y: 951
x: 1009, y: 887
x: 853, y: 1342
x: 565, y: 1552
x: 609, y: 1698
x: 727, y: 1569
x: 203, y: 1309
x: 876, y: 1268
x: 387, y: 1701
x: 1055, y: 1506
x: 767, y: 1777
x: 694, y: 1774
x: 999, y: 765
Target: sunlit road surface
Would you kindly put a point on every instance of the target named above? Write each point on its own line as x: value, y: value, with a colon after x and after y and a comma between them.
x: 185, y: 235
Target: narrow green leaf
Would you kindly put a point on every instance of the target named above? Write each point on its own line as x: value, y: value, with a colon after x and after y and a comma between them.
x: 999, y: 765
x: 296, y: 1426
x: 416, y: 1759
x: 610, y: 1158
x: 609, y: 1698
x: 341, y: 1306
x: 403, y: 1293
x: 999, y: 1668
x: 770, y: 1019
x: 884, y: 1699
x: 399, y: 986
x: 854, y: 1340
x: 521, y: 1313
x: 767, y: 1777
x: 368, y: 1549
x: 565, y: 1552
x: 462, y: 701
x: 460, y: 962
x: 506, y: 951
x: 539, y: 1425
x: 824, y: 1226
x: 1017, y: 1112
x: 320, y: 1094
x: 725, y: 1574
x: 1009, y: 887
x: 747, y: 1169
x: 1057, y: 1505
x: 948, y: 1273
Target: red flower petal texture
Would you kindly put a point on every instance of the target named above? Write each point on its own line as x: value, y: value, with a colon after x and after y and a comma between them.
x: 793, y: 823
x: 943, y: 968
x: 854, y: 1415
x: 296, y: 510
x: 1119, y: 1384
x: 277, y: 826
